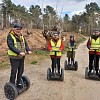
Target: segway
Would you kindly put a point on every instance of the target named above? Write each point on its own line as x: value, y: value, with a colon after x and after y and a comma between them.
x: 92, y: 75
x: 72, y: 65
x: 12, y: 91
x: 55, y: 76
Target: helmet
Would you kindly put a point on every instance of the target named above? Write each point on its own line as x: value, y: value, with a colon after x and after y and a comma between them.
x: 55, y: 33
x: 71, y: 36
x: 96, y: 30
x: 17, y: 25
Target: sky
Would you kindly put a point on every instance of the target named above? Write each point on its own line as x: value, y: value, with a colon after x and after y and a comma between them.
x: 62, y: 7
x: 0, y: 1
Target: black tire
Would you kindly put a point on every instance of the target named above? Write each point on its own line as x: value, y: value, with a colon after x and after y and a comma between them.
x: 65, y: 65
x: 86, y: 73
x: 48, y: 74
x: 26, y: 82
x: 76, y: 65
x: 62, y: 74
x: 99, y: 71
x: 10, y: 91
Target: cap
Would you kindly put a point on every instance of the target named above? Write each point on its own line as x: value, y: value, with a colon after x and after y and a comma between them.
x: 71, y: 36
x: 55, y: 33
x: 17, y: 25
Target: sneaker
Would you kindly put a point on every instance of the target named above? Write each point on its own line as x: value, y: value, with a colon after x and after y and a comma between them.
x: 89, y: 73
x: 19, y: 86
x: 52, y: 73
x: 97, y: 74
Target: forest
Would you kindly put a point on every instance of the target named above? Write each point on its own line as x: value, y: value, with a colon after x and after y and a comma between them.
x: 45, y: 18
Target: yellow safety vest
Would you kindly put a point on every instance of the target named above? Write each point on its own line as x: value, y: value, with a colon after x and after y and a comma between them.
x: 70, y: 47
x: 95, y: 44
x: 55, y: 47
x: 17, y: 45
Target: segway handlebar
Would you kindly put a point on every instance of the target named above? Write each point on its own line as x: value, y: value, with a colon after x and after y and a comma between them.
x: 24, y: 55
x: 55, y: 50
x: 93, y: 48
x: 72, y: 47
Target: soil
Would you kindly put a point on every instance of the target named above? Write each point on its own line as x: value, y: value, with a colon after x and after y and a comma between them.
x: 74, y: 86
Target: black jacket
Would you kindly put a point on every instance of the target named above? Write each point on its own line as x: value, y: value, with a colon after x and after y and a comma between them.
x: 10, y: 43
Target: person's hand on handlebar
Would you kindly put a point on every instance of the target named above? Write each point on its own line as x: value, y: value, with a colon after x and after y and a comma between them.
x: 22, y: 54
x: 29, y: 52
x: 55, y: 50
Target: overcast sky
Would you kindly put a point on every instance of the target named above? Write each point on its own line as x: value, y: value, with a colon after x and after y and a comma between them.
x: 70, y: 7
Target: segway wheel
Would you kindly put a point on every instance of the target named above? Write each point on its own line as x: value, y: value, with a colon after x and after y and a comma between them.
x: 26, y: 82
x: 48, y: 74
x: 86, y: 73
x: 11, y: 91
x: 76, y: 65
x: 62, y: 74
x: 65, y: 64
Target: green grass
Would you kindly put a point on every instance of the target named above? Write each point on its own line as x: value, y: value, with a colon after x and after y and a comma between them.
x: 4, y: 64
x: 34, y: 62
x: 41, y: 52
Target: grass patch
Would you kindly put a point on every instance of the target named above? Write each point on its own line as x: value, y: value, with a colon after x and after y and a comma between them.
x: 80, y: 41
x: 33, y: 62
x: 4, y: 65
x: 40, y: 52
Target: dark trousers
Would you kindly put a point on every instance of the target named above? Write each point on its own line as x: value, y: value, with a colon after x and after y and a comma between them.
x: 54, y: 62
x: 71, y: 60
x: 17, y: 67
x: 91, y: 59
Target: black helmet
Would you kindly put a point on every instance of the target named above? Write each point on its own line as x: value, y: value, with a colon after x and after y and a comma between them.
x: 55, y: 33
x: 17, y: 25
x: 96, y: 30
x: 71, y: 36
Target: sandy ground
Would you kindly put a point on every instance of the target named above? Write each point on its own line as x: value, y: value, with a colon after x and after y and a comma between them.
x: 74, y: 86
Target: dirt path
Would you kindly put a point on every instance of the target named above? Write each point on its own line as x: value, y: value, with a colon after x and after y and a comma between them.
x: 74, y: 87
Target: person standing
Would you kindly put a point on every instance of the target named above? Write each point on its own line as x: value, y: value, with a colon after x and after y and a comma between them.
x: 94, y: 42
x: 70, y: 53
x: 17, y: 47
x: 55, y: 44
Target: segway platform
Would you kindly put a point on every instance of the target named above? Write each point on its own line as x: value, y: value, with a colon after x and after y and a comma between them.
x: 71, y: 66
x: 92, y: 75
x: 55, y: 76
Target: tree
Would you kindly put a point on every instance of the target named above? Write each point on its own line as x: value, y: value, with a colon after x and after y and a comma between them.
x: 66, y: 22
x: 35, y: 12
x: 7, y: 9
x: 50, y: 17
x: 86, y: 21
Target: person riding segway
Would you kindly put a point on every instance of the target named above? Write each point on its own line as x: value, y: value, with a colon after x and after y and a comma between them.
x: 71, y: 49
x: 55, y: 46
x: 93, y: 45
x: 17, y: 48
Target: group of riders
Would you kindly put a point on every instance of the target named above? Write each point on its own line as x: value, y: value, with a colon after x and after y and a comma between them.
x: 18, y: 48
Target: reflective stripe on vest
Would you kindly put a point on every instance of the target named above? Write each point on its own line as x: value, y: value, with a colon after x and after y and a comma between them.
x: 55, y: 47
x: 70, y: 47
x: 17, y: 45
x: 95, y: 44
